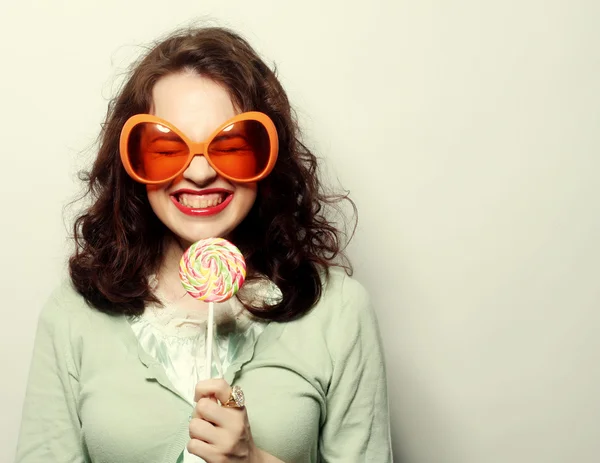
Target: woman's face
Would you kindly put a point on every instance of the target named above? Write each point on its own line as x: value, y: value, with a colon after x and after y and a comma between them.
x: 199, y: 203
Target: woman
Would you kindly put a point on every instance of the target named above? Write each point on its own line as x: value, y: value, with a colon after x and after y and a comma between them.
x: 116, y: 375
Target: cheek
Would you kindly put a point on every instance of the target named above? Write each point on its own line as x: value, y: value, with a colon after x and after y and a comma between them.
x: 246, y: 196
x: 158, y: 198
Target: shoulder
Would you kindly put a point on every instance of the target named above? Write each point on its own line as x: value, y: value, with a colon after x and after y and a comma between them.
x: 341, y: 325
x: 343, y: 292
x: 65, y: 322
x: 66, y: 308
x: 343, y: 310
x: 63, y: 301
x: 342, y: 297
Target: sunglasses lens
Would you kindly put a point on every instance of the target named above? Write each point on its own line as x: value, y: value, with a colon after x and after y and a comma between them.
x: 155, y: 151
x: 241, y: 150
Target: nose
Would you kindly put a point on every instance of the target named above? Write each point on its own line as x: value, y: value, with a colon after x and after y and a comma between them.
x: 200, y: 171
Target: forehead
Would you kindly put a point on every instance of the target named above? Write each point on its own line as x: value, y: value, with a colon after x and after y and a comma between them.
x: 195, y: 104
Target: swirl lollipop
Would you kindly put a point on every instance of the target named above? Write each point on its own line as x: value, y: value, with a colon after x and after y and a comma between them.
x: 212, y: 270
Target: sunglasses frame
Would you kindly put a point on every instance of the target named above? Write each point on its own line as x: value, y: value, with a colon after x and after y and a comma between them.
x: 198, y: 149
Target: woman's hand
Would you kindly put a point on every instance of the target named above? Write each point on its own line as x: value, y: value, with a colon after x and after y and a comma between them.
x: 220, y: 434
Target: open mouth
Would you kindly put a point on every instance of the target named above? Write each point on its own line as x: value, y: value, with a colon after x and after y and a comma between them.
x: 205, y: 202
x: 196, y: 201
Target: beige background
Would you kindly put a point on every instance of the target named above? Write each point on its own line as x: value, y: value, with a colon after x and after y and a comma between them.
x: 467, y: 132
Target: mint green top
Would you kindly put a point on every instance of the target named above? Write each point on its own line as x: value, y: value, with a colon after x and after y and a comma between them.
x: 315, y: 388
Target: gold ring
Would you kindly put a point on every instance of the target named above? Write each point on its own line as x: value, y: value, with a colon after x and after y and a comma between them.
x: 236, y: 398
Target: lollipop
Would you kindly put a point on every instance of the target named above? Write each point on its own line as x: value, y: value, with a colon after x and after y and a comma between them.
x: 212, y: 270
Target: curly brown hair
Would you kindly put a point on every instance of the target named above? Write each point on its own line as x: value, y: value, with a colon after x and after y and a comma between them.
x: 286, y: 237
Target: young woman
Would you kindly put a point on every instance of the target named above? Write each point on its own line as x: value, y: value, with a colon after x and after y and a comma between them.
x: 199, y: 143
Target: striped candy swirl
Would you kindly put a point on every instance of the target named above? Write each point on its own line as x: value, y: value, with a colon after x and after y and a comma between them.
x: 212, y: 270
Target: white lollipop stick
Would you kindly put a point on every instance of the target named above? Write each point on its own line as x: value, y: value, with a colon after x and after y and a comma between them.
x: 210, y: 338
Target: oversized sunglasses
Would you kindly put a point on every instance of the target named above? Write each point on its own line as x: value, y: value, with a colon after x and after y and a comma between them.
x: 243, y: 149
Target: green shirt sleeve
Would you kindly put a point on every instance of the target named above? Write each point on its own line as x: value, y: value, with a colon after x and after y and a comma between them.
x: 356, y: 427
x: 50, y: 428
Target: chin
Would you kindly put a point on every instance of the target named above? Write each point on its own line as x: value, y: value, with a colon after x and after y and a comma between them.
x: 191, y: 232
x: 191, y: 236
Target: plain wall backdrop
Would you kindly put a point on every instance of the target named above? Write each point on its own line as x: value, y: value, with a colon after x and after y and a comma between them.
x: 467, y: 133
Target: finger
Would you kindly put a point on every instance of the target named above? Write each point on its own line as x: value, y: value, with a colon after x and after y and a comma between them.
x: 207, y: 452
x: 208, y: 410
x: 213, y: 388
x: 203, y: 430
x: 204, y: 400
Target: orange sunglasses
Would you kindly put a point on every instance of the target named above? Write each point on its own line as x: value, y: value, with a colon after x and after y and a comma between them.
x: 243, y: 149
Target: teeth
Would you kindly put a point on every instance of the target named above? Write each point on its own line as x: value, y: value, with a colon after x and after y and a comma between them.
x: 201, y: 201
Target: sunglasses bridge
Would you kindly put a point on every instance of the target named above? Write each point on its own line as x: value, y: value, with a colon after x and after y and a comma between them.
x: 198, y: 149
